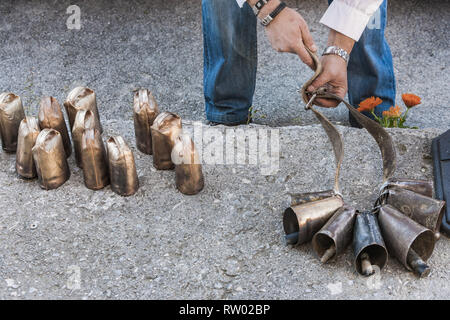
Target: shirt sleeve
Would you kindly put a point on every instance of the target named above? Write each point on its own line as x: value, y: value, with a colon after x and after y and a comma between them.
x: 240, y: 2
x: 350, y: 17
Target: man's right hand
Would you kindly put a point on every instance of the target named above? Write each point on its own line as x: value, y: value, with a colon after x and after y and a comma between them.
x: 288, y: 32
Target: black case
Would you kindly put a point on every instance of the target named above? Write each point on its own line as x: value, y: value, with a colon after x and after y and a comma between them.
x: 441, y: 161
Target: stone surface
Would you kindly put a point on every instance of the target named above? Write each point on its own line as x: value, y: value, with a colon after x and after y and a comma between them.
x: 124, y: 45
x: 224, y: 243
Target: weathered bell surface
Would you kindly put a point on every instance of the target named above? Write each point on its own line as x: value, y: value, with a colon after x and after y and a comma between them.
x: 423, y: 187
x: 402, y: 235
x: 93, y: 158
x: 50, y: 160
x: 301, y: 198
x: 336, y: 235
x: 82, y: 98
x: 51, y: 117
x: 84, y: 120
x: 122, y: 167
x: 188, y: 169
x: 368, y: 245
x: 11, y: 115
x: 28, y: 133
x: 425, y: 210
x: 145, y: 112
x: 165, y: 129
x: 303, y: 221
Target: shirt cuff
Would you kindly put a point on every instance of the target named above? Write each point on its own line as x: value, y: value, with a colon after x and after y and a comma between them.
x: 345, y: 19
x: 240, y: 2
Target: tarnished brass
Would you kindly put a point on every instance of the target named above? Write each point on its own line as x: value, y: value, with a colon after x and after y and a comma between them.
x: 425, y: 210
x: 368, y: 244
x: 28, y: 133
x: 302, y: 198
x: 122, y: 167
x: 165, y: 129
x: 51, y: 117
x: 422, y: 187
x: 306, y: 219
x: 50, y: 159
x: 145, y: 112
x: 335, y: 235
x: 82, y: 98
x: 84, y: 120
x: 93, y: 158
x: 11, y: 114
x: 403, y: 234
x: 188, y: 169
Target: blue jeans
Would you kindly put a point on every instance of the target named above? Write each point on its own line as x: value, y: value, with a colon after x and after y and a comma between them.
x: 230, y: 61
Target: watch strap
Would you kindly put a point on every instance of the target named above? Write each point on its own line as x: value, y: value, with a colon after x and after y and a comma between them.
x: 267, y: 20
x: 258, y: 6
x: 337, y: 51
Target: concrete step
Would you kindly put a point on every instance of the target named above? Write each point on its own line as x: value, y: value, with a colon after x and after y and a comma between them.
x: 223, y: 243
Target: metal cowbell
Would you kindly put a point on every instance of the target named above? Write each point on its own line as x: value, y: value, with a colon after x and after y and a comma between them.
x: 122, y: 167
x: 82, y: 98
x: 165, y: 129
x: 84, y: 120
x: 368, y: 245
x: 188, y: 169
x: 93, y: 158
x: 411, y: 243
x: 11, y: 115
x: 335, y: 235
x: 50, y: 159
x: 423, y: 187
x: 28, y: 133
x: 145, y: 111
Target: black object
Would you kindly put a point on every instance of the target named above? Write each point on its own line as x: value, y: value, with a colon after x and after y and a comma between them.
x: 267, y: 20
x: 259, y: 5
x: 441, y: 161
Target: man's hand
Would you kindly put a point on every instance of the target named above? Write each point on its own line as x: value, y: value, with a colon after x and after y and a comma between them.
x: 333, y: 77
x: 334, y: 74
x: 288, y: 32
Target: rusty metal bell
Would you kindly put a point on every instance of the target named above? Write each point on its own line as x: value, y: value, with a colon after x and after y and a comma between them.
x: 11, y: 115
x: 302, y: 198
x: 165, y: 129
x: 122, y: 167
x: 50, y: 160
x: 145, y: 112
x: 188, y: 169
x: 425, y: 210
x: 84, y: 120
x: 82, y: 98
x: 51, y: 117
x: 423, y: 187
x: 301, y: 222
x: 28, y: 133
x: 368, y: 245
x: 93, y: 158
x: 335, y: 235
x: 411, y: 243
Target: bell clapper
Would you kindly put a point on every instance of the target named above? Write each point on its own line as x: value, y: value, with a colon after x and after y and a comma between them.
x: 417, y: 264
x: 331, y: 251
x: 366, y: 265
x: 291, y: 238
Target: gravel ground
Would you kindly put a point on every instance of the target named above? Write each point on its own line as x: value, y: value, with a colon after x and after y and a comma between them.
x: 157, y: 44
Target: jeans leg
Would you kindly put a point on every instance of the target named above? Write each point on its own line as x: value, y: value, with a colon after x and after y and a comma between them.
x: 371, y: 69
x: 230, y: 60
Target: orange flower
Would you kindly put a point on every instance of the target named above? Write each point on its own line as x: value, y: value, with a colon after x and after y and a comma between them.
x: 369, y: 104
x: 411, y: 100
x: 393, y: 112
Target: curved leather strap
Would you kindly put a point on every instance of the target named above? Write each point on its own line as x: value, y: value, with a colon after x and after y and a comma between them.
x: 381, y: 136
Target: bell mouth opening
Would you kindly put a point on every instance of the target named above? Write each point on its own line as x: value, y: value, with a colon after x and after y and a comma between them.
x: 290, y: 222
x: 378, y: 256
x: 423, y: 245
x: 322, y: 243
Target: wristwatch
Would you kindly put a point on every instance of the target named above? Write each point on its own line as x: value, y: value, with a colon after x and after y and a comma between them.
x: 258, y: 6
x: 267, y: 20
x: 337, y: 51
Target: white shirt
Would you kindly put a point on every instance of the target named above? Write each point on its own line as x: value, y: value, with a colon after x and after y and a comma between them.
x: 349, y: 17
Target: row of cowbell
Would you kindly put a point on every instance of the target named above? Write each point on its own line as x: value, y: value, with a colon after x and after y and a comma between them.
x: 43, y: 145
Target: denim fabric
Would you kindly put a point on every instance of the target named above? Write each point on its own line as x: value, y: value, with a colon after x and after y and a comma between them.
x: 230, y: 61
